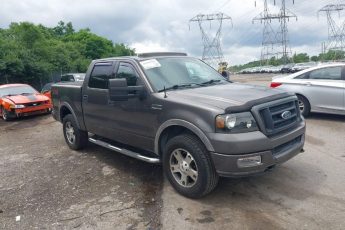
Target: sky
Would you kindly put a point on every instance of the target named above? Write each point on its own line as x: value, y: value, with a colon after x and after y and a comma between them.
x: 163, y: 25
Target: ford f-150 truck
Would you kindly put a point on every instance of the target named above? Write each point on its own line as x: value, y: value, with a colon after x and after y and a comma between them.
x: 176, y: 110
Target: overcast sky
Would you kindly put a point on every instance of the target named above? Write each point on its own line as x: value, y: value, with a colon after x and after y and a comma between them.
x: 162, y: 25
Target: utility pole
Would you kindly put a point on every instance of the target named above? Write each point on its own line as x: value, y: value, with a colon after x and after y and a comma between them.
x: 275, y: 44
x: 212, y: 51
x: 336, y: 34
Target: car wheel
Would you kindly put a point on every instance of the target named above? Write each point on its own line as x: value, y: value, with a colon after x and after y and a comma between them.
x: 75, y: 138
x: 188, y: 166
x: 304, y: 105
x: 4, y: 114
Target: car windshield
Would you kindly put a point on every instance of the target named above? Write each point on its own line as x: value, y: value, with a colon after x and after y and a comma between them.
x: 172, y: 72
x: 16, y: 90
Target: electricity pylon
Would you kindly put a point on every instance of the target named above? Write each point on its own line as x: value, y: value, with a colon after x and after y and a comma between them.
x: 275, y: 44
x: 336, y: 34
x: 212, y: 52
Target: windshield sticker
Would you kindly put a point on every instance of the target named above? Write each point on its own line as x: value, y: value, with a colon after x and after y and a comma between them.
x: 150, y: 64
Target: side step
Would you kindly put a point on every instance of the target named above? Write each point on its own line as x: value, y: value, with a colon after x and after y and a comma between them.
x: 125, y: 151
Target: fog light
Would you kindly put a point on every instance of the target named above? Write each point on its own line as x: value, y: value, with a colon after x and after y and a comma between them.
x: 249, y: 162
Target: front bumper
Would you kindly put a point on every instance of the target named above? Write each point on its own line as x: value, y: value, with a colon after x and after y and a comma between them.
x: 33, y: 110
x: 273, y: 151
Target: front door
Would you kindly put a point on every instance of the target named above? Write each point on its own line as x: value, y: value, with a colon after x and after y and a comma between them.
x: 133, y: 118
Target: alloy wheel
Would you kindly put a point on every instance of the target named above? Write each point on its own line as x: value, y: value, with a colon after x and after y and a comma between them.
x: 70, y: 134
x: 183, y: 167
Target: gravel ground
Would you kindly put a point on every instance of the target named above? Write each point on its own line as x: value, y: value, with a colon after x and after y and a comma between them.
x: 52, y: 187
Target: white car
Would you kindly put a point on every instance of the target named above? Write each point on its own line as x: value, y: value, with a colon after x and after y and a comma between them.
x: 319, y: 89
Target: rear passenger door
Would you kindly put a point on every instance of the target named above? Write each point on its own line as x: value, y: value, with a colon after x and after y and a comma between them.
x: 95, y: 99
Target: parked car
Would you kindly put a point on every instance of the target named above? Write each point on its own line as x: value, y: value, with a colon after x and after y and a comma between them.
x: 319, y: 89
x: 17, y: 100
x: 73, y: 77
x: 70, y: 77
x: 287, y: 68
x: 302, y: 66
x: 173, y: 109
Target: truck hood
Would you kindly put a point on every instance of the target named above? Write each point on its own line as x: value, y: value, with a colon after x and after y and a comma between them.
x: 23, y: 99
x: 233, y: 97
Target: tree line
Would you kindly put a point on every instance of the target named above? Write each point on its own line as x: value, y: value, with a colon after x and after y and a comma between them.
x: 33, y: 54
x: 331, y: 55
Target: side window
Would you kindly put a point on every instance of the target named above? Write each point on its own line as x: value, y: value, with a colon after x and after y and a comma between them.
x: 303, y: 76
x: 127, y: 71
x: 100, y: 75
x: 64, y: 78
x: 330, y: 73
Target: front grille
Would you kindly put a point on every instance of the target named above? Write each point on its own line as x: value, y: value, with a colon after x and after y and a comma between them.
x: 274, y: 119
x: 34, y: 104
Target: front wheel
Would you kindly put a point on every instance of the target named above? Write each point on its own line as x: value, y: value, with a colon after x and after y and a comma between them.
x: 188, y: 166
x: 75, y: 138
x: 5, y: 115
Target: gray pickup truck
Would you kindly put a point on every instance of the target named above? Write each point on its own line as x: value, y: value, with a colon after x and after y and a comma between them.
x: 176, y: 110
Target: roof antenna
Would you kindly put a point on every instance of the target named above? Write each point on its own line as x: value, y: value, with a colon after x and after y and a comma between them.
x: 165, y: 93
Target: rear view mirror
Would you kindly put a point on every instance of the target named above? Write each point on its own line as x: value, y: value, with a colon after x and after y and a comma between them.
x: 120, y: 91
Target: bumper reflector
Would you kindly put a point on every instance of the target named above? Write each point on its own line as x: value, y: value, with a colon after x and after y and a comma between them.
x: 249, y: 162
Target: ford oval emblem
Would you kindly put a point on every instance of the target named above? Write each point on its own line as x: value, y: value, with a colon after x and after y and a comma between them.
x: 286, y: 115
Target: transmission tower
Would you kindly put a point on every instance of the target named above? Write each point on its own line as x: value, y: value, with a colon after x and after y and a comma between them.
x: 275, y: 44
x: 336, y: 34
x: 212, y: 53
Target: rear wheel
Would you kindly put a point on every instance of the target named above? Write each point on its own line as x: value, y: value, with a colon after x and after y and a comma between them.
x: 188, y: 166
x: 75, y: 138
x: 304, y: 105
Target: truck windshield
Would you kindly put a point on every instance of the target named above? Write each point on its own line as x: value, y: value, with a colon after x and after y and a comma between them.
x: 16, y: 90
x: 171, y: 72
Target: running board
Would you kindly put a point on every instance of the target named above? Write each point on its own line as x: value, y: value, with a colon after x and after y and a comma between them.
x: 125, y: 151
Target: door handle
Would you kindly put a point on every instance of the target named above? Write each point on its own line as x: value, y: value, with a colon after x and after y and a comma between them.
x: 308, y: 84
x: 85, y: 97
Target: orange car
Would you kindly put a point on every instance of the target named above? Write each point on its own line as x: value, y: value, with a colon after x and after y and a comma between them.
x: 17, y: 100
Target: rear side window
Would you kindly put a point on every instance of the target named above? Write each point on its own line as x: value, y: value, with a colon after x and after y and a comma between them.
x: 100, y: 75
x: 330, y: 73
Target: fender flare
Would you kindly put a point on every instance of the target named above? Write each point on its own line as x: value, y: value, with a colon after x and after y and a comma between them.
x: 193, y: 128
x: 69, y: 107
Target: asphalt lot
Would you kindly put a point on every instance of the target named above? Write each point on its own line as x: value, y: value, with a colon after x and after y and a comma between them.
x: 51, y: 187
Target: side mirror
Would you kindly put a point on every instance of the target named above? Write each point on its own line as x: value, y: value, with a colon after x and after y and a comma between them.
x: 120, y: 91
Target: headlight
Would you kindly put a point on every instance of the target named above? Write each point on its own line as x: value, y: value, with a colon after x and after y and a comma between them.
x: 17, y: 106
x: 236, y: 123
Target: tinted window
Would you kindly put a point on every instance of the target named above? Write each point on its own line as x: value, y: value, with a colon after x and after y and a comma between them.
x: 330, y: 73
x: 100, y: 75
x: 67, y: 78
x: 128, y: 72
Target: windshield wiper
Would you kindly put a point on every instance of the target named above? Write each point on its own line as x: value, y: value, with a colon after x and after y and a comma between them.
x: 176, y: 87
x: 210, y: 82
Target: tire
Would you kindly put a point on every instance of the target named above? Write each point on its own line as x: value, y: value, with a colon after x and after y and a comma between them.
x: 4, y: 114
x: 74, y: 137
x: 304, y: 105
x: 195, y: 161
